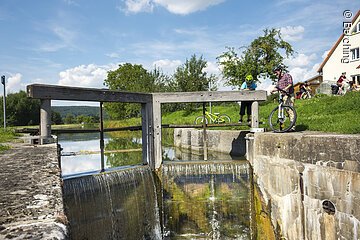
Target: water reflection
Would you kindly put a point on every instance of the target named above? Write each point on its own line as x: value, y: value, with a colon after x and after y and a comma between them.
x: 81, y: 152
x: 207, y: 200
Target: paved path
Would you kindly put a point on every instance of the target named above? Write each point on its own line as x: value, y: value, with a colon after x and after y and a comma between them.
x: 31, y: 205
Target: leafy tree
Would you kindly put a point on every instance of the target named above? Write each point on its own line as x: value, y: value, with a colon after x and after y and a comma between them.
x: 69, y: 119
x: 21, y: 110
x: 258, y: 59
x: 56, y: 118
x: 132, y: 78
x: 191, y: 77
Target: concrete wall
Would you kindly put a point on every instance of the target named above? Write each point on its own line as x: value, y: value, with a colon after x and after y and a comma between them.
x: 231, y: 142
x: 298, y: 172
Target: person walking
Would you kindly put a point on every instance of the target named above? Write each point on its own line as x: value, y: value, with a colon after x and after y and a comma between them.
x: 248, y: 84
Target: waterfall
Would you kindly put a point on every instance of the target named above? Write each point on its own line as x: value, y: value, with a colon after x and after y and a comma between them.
x: 113, y: 205
x: 207, y: 200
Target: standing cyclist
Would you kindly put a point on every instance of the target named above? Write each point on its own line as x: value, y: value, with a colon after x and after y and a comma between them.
x: 285, y: 84
x: 249, y: 84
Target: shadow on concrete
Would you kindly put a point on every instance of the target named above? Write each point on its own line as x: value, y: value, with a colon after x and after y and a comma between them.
x: 238, y: 145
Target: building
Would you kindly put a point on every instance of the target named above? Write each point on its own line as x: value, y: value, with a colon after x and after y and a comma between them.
x: 344, y: 56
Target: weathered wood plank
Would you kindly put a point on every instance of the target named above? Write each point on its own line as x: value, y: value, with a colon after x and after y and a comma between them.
x: 218, y: 96
x: 54, y: 92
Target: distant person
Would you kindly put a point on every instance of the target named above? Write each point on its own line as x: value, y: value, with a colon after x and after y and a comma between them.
x: 285, y: 85
x: 249, y: 84
x: 342, y: 83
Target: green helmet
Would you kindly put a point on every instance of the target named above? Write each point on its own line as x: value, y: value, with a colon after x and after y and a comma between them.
x: 249, y: 78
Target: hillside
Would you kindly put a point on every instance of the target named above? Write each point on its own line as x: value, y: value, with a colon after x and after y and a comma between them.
x: 77, y: 110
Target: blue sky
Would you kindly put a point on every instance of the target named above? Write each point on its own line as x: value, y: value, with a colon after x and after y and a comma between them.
x: 75, y: 42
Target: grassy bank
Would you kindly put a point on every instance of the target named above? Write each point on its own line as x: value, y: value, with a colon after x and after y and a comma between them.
x: 333, y: 114
x: 6, y: 136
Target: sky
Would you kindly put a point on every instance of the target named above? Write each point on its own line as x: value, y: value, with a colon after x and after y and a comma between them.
x: 76, y: 42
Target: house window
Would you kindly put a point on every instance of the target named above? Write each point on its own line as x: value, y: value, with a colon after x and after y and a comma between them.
x: 358, y: 27
x: 355, y: 54
x: 356, y: 80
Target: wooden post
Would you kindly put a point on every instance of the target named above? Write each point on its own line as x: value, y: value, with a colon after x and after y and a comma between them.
x: 102, y: 145
x: 255, y: 114
x: 146, y: 132
x: 157, y: 151
x: 45, y: 121
x: 204, y: 134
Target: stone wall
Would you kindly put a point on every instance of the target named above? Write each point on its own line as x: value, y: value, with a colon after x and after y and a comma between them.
x: 31, y: 204
x: 228, y: 141
x: 310, y: 182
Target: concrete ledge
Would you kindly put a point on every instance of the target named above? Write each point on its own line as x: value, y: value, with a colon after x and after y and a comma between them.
x: 31, y: 205
x: 298, y: 172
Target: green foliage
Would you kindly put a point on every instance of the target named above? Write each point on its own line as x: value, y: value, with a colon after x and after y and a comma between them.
x: 131, y: 78
x: 191, y: 77
x: 20, y: 110
x: 77, y: 110
x: 325, y: 113
x: 56, y: 118
x: 258, y: 59
x: 6, y: 135
x: 69, y: 119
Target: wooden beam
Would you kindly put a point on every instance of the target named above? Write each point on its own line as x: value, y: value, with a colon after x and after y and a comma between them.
x: 53, y: 92
x: 218, y: 96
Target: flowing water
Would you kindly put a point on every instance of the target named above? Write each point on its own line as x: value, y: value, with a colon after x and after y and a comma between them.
x: 188, y: 199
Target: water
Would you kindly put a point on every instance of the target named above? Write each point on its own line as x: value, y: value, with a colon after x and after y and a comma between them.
x: 188, y: 199
x: 116, y: 205
x: 81, y: 152
x: 206, y: 200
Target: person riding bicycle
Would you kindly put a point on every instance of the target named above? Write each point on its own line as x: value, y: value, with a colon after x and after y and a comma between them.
x: 304, y: 90
x: 248, y: 84
x: 286, y: 87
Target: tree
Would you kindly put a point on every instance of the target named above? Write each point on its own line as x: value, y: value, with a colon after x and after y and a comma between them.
x: 21, y: 110
x: 258, y: 59
x: 56, y: 118
x: 132, y: 78
x: 69, y: 119
x: 191, y: 76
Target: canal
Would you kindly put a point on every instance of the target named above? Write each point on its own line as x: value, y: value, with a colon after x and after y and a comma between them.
x: 189, y: 198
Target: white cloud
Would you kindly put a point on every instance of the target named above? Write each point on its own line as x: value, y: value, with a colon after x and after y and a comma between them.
x: 136, y: 6
x: 166, y: 65
x: 325, y: 54
x: 112, y: 55
x: 187, y: 6
x: 301, y: 74
x: 183, y: 7
x: 292, y: 33
x: 13, y: 83
x: 65, y: 38
x: 85, y: 75
x: 300, y: 60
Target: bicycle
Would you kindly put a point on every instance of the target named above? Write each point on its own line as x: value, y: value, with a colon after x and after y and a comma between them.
x: 212, y: 118
x: 279, y: 119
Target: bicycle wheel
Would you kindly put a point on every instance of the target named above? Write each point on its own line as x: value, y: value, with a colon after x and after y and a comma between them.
x: 223, y: 118
x: 284, y: 123
x: 200, y: 120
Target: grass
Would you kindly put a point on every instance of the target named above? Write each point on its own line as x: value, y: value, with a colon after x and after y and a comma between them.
x: 6, y: 135
x: 325, y: 113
